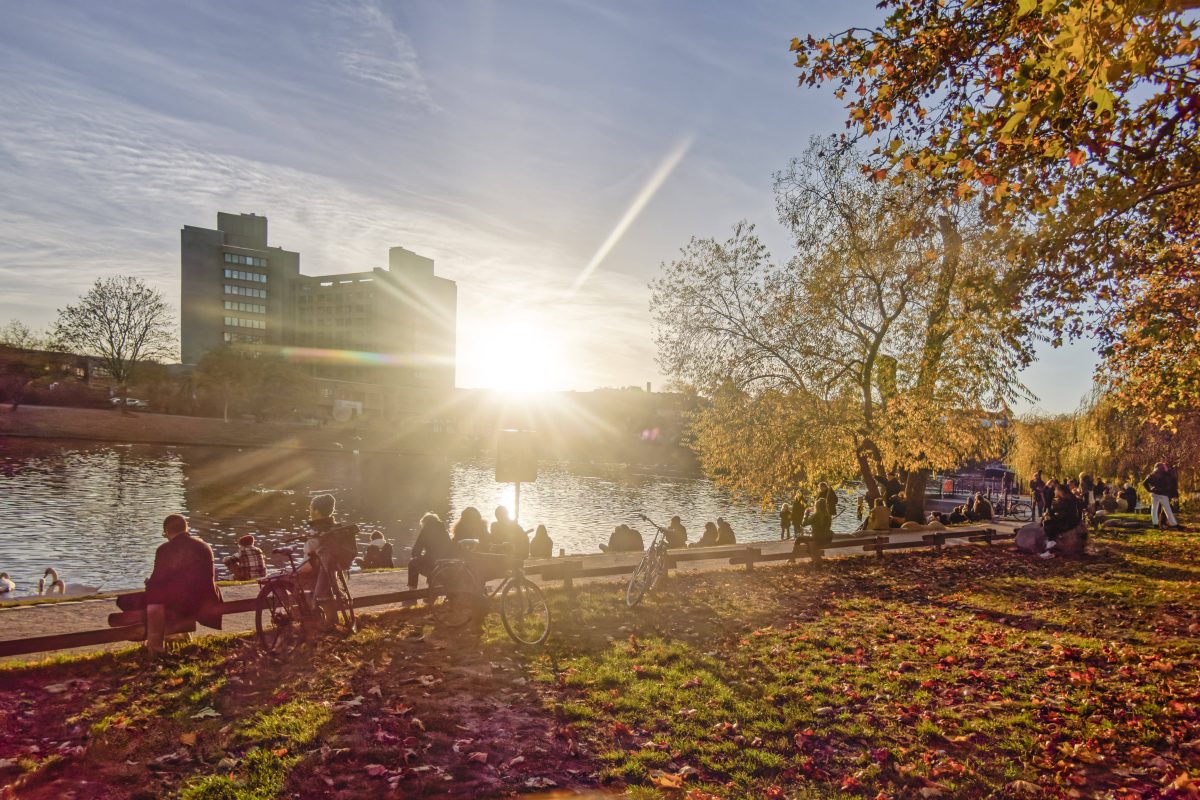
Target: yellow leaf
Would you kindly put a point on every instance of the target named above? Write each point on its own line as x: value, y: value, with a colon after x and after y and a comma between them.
x: 187, y: 738
x: 1026, y: 7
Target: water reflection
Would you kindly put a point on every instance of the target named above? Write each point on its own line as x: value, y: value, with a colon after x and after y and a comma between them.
x: 94, y: 511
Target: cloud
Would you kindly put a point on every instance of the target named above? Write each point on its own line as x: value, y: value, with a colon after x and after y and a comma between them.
x: 372, y: 49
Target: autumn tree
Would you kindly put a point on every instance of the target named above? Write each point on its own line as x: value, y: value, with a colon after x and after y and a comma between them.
x: 886, y: 340
x: 253, y: 380
x: 121, y: 322
x: 1074, y: 125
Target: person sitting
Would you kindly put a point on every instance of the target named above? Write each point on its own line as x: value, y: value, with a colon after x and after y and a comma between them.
x: 957, y: 516
x: 508, y: 536
x: 6, y: 584
x: 725, y: 532
x: 432, y: 544
x: 1063, y: 515
x: 624, y: 539
x: 1130, y: 496
x: 542, y: 545
x: 676, y: 535
x: 785, y: 521
x: 898, y: 508
x: 471, y: 527
x: 1108, y: 501
x: 379, y: 553
x: 182, y: 585
x: 879, y: 519
x: 708, y: 538
x: 981, y: 509
x: 330, y: 547
x: 821, y: 522
x: 249, y: 563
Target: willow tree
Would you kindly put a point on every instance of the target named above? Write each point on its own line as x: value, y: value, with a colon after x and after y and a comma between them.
x: 888, y: 339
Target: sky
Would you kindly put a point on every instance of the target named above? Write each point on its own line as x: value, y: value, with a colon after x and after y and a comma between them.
x: 549, y: 155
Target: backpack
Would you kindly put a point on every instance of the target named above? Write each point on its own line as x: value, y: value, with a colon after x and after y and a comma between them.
x: 340, y: 545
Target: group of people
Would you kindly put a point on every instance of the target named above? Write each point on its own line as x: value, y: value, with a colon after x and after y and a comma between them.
x: 795, y: 516
x: 504, y: 536
x: 626, y: 539
x: 1094, y: 498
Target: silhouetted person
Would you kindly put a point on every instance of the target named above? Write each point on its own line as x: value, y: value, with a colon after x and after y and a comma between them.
x: 470, y: 526
x: 432, y: 545
x: 1129, y: 495
x: 624, y: 539
x: 708, y: 538
x: 676, y: 535
x: 181, y: 587
x: 826, y: 492
x: 724, y: 532
x: 785, y: 521
x: 541, y: 546
x: 508, y: 536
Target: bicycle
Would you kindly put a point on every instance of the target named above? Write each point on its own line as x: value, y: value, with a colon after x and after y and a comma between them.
x: 286, y: 614
x: 459, y: 596
x: 650, y: 569
x: 1007, y: 507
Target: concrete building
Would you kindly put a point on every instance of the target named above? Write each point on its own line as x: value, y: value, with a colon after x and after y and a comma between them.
x: 380, y: 343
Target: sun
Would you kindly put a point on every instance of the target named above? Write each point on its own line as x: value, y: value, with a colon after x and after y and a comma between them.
x: 517, y: 356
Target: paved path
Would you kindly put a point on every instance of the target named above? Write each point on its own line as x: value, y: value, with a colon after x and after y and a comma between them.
x: 64, y: 617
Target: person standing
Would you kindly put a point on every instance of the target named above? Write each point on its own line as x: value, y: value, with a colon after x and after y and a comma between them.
x: 1160, y: 485
x: 1037, y: 493
x: 785, y: 521
x: 829, y: 495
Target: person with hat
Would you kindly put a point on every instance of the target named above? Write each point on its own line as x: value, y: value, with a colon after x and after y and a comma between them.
x: 249, y: 563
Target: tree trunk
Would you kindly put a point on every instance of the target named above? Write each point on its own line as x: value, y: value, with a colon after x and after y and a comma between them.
x: 914, y: 495
x: 868, y: 479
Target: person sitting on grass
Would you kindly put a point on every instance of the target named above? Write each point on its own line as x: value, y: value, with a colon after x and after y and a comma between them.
x: 981, y: 509
x: 181, y: 587
x: 676, y: 535
x: 821, y: 523
x: 957, y: 516
x: 708, y: 538
x: 542, y: 545
x: 1129, y: 495
x: 1108, y: 501
x: 379, y: 553
x: 725, y: 532
x: 432, y: 545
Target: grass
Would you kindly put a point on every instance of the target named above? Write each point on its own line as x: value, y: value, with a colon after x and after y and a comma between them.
x: 977, y: 673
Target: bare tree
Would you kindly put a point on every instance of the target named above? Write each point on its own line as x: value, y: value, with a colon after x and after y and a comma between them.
x: 122, y: 322
x: 18, y: 335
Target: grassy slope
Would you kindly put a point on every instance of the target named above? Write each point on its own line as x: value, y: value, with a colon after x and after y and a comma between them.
x: 978, y: 673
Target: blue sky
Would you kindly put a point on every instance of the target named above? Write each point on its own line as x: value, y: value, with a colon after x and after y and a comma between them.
x: 506, y: 140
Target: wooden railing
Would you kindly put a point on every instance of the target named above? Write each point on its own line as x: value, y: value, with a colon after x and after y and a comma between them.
x: 128, y: 626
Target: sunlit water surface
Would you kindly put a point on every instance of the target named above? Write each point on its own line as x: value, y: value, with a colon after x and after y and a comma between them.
x: 94, y: 511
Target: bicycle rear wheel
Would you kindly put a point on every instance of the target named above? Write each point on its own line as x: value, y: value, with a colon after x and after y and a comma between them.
x: 525, y: 612
x: 278, y: 620
x: 455, y: 594
x: 342, y: 603
x: 643, y: 578
x: 1021, y: 511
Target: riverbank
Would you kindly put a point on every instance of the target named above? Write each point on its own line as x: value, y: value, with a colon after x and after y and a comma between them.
x: 972, y: 673
x: 140, y: 427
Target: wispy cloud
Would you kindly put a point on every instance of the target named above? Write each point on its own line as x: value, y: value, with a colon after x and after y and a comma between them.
x: 373, y: 49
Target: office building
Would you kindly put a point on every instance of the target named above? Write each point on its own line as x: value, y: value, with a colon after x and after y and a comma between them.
x: 380, y: 343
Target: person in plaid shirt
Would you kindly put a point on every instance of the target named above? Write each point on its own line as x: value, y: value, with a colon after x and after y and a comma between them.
x: 250, y: 562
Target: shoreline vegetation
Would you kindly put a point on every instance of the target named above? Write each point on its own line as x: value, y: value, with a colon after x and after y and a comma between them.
x: 973, y: 673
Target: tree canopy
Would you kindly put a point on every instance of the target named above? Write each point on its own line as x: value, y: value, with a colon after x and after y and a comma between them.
x: 888, y: 339
x: 1074, y: 123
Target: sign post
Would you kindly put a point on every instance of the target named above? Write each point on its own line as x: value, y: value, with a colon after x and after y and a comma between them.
x: 516, y: 461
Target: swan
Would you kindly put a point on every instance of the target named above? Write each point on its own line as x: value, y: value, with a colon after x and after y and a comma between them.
x: 6, y: 584
x: 56, y: 584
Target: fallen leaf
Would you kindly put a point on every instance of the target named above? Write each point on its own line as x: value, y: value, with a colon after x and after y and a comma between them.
x: 206, y: 713
x: 376, y: 770
x: 480, y: 758
x: 187, y: 738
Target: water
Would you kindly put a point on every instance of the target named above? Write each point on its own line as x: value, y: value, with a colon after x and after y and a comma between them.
x: 94, y: 511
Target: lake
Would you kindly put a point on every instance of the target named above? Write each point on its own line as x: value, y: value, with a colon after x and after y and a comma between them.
x: 94, y: 510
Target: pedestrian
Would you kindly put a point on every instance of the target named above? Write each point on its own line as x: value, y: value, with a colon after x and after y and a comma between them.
x: 1037, y: 488
x: 785, y: 521
x: 1161, y: 487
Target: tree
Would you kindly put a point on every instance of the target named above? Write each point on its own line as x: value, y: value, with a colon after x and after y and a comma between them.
x: 18, y: 335
x: 887, y: 340
x: 1074, y: 123
x: 122, y: 322
x: 252, y: 380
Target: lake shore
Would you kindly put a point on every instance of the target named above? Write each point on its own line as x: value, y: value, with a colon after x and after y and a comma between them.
x: 105, y: 425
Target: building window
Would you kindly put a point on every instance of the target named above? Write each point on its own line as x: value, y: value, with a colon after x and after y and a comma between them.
x: 241, y: 275
x: 245, y: 291
x: 249, y: 261
x: 238, y: 322
x: 253, y: 308
x: 241, y: 338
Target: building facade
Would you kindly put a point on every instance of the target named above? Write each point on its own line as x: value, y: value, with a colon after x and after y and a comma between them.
x: 379, y: 343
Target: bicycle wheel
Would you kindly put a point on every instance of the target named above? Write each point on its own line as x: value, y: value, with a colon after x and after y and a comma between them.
x: 643, y: 578
x: 278, y: 620
x: 342, y: 604
x: 525, y: 612
x: 1021, y: 511
x: 455, y: 594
